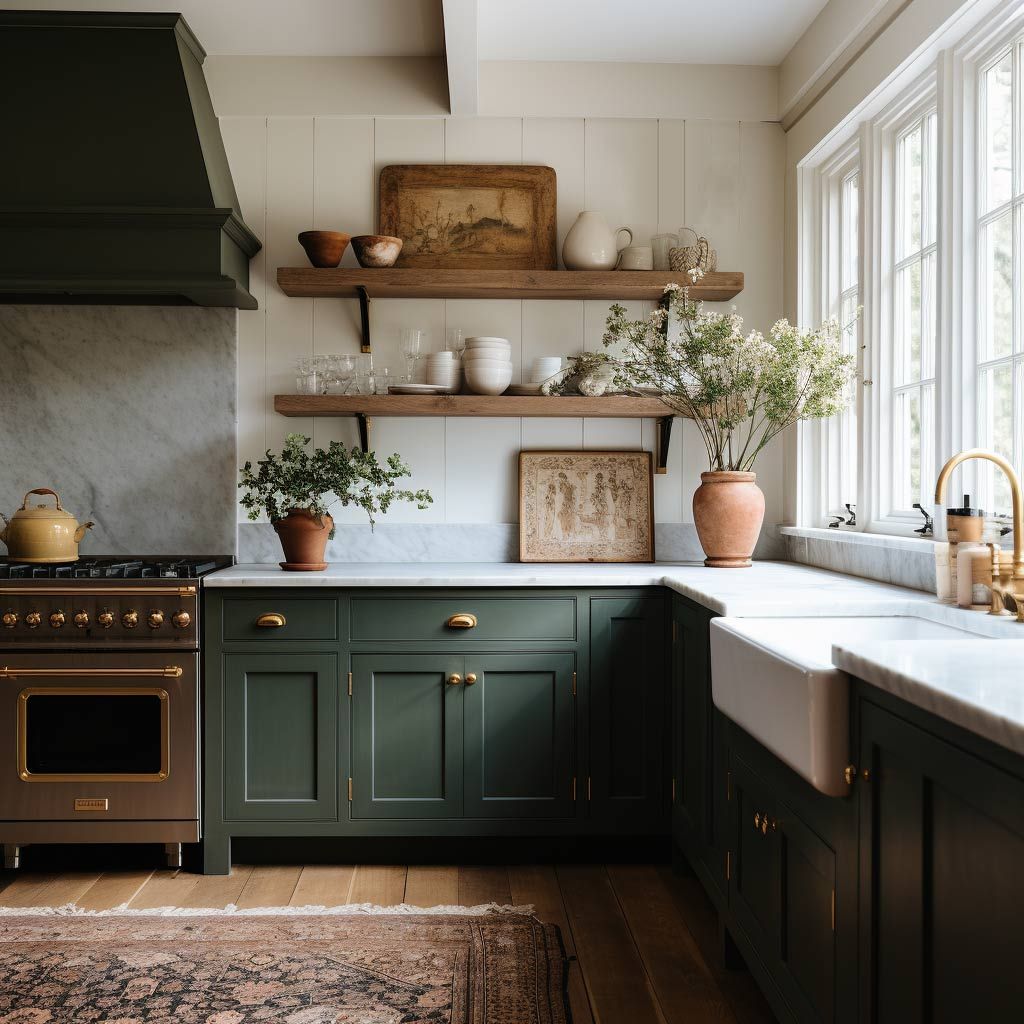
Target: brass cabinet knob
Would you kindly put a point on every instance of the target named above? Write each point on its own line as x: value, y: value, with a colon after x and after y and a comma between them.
x: 105, y: 618
x: 757, y: 819
x: 454, y: 679
x: 181, y: 619
x: 33, y: 619
x: 463, y: 620
x: 271, y: 620
x: 155, y: 619
x: 81, y: 619
x: 850, y: 774
x: 130, y: 619
x: 57, y: 619
x: 764, y: 825
x: 470, y: 678
x: 10, y: 619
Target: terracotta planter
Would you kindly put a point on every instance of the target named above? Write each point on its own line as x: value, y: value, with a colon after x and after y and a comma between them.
x: 728, y: 509
x: 304, y: 540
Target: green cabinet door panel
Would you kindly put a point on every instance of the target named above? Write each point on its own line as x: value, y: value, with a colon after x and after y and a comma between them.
x: 305, y: 618
x: 629, y: 767
x: 281, y: 736
x: 518, y: 719
x: 942, y: 891
x: 407, y: 735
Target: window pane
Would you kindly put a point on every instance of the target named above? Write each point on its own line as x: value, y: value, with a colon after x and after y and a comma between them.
x: 998, y: 133
x: 851, y: 202
x: 848, y: 418
x: 907, y: 336
x: 996, y: 250
x: 907, y: 453
x: 995, y: 431
x: 931, y: 178
x: 908, y: 197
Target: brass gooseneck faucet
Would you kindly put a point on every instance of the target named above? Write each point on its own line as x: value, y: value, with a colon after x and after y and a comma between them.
x: 1007, y: 580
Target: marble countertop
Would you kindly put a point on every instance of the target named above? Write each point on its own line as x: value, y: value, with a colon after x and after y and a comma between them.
x: 766, y: 588
x: 978, y: 684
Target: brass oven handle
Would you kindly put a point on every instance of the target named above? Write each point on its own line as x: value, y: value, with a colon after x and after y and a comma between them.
x: 271, y: 620
x: 114, y: 591
x: 167, y: 672
x: 463, y: 620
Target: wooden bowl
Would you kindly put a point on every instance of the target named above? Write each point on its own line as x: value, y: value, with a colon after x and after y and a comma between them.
x: 324, y: 248
x: 376, y: 250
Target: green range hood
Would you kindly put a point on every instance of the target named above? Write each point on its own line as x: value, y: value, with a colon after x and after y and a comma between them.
x: 114, y: 183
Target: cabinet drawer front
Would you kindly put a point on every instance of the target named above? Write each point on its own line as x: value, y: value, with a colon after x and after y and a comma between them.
x: 261, y: 618
x: 497, y: 618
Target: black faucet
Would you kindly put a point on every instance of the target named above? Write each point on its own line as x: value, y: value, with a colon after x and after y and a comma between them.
x: 852, y: 521
x: 836, y: 521
x: 929, y: 526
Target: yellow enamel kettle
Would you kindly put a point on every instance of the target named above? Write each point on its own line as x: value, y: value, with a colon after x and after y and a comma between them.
x: 42, y: 534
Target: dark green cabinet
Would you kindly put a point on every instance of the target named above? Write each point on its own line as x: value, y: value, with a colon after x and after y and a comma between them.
x: 942, y: 893
x: 629, y: 769
x: 407, y: 714
x: 281, y: 736
x: 519, y: 750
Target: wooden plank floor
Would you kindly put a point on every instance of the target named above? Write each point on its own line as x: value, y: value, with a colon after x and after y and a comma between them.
x: 641, y: 939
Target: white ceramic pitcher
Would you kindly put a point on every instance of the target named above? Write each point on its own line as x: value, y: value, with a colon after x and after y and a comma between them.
x: 591, y: 244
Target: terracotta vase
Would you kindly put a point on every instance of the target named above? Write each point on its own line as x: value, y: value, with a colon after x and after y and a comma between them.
x: 728, y: 509
x: 304, y: 540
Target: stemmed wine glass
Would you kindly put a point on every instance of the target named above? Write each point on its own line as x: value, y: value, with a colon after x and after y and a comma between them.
x: 412, y: 346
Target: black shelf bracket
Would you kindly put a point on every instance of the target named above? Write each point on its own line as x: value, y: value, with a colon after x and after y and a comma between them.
x: 364, y: 319
x: 663, y: 440
x: 363, y: 422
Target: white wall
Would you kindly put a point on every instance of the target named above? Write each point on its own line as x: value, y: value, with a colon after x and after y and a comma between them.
x: 295, y: 172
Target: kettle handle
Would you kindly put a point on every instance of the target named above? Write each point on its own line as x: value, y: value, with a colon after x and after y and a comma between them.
x: 42, y: 490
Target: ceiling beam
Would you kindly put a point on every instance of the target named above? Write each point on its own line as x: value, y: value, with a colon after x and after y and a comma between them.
x: 461, y: 54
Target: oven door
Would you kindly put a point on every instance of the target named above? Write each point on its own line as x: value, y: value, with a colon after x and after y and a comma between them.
x: 99, y: 736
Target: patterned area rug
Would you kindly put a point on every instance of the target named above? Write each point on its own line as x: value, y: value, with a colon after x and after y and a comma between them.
x: 302, y: 967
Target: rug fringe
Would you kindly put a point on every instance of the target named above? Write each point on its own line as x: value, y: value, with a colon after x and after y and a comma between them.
x: 348, y: 909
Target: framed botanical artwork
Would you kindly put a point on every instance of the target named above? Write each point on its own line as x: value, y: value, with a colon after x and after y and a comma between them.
x: 586, y: 506
x: 470, y: 216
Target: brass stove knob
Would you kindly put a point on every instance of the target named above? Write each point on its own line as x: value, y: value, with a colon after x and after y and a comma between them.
x: 57, y: 619
x: 10, y: 619
x: 155, y: 619
x: 130, y: 619
x: 33, y: 619
x: 181, y: 619
x: 81, y: 619
x: 105, y: 618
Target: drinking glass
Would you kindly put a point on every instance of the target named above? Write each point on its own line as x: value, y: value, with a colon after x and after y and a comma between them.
x: 455, y: 340
x: 660, y: 244
x: 412, y: 346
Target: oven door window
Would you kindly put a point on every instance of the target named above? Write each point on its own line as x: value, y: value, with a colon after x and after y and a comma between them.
x: 100, y: 734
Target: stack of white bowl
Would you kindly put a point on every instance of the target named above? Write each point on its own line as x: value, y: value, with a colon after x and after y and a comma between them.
x: 544, y: 367
x: 487, y: 363
x: 444, y: 370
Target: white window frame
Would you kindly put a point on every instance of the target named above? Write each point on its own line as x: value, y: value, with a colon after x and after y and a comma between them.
x: 948, y: 82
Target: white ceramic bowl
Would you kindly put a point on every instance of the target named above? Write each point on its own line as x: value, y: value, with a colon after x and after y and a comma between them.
x: 488, y: 381
x: 488, y: 353
x: 488, y: 364
x: 485, y: 340
x: 445, y: 355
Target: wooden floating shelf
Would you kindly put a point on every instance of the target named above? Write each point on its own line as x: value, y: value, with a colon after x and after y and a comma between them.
x: 396, y: 283
x: 633, y: 407
x: 364, y: 406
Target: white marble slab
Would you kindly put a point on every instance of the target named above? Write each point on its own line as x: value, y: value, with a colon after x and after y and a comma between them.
x: 975, y: 684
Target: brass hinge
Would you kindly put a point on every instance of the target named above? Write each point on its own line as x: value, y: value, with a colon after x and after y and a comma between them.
x: 833, y: 910
x: 588, y: 787
x: 728, y: 785
x: 350, y: 684
x: 350, y: 789
x: 728, y: 865
x: 574, y: 789
x: 574, y: 684
x: 673, y: 790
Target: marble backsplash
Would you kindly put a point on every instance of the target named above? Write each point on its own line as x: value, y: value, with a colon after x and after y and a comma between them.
x: 129, y: 413
x: 471, y: 542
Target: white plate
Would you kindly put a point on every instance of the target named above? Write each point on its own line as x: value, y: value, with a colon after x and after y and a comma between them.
x: 420, y: 389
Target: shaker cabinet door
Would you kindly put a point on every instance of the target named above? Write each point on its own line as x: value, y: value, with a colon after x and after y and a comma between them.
x: 407, y: 735
x: 519, y: 736
x: 629, y: 769
x: 281, y: 736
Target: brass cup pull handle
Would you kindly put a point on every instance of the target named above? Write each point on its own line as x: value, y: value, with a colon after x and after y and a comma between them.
x: 271, y: 620
x: 463, y: 620
x: 454, y: 679
x: 470, y: 678
x: 14, y: 672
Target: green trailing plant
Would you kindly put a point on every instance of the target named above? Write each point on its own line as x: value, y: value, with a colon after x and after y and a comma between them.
x: 315, y: 480
x: 741, y: 390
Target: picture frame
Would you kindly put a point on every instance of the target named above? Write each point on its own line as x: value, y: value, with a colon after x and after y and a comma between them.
x: 586, y: 506
x: 470, y: 216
